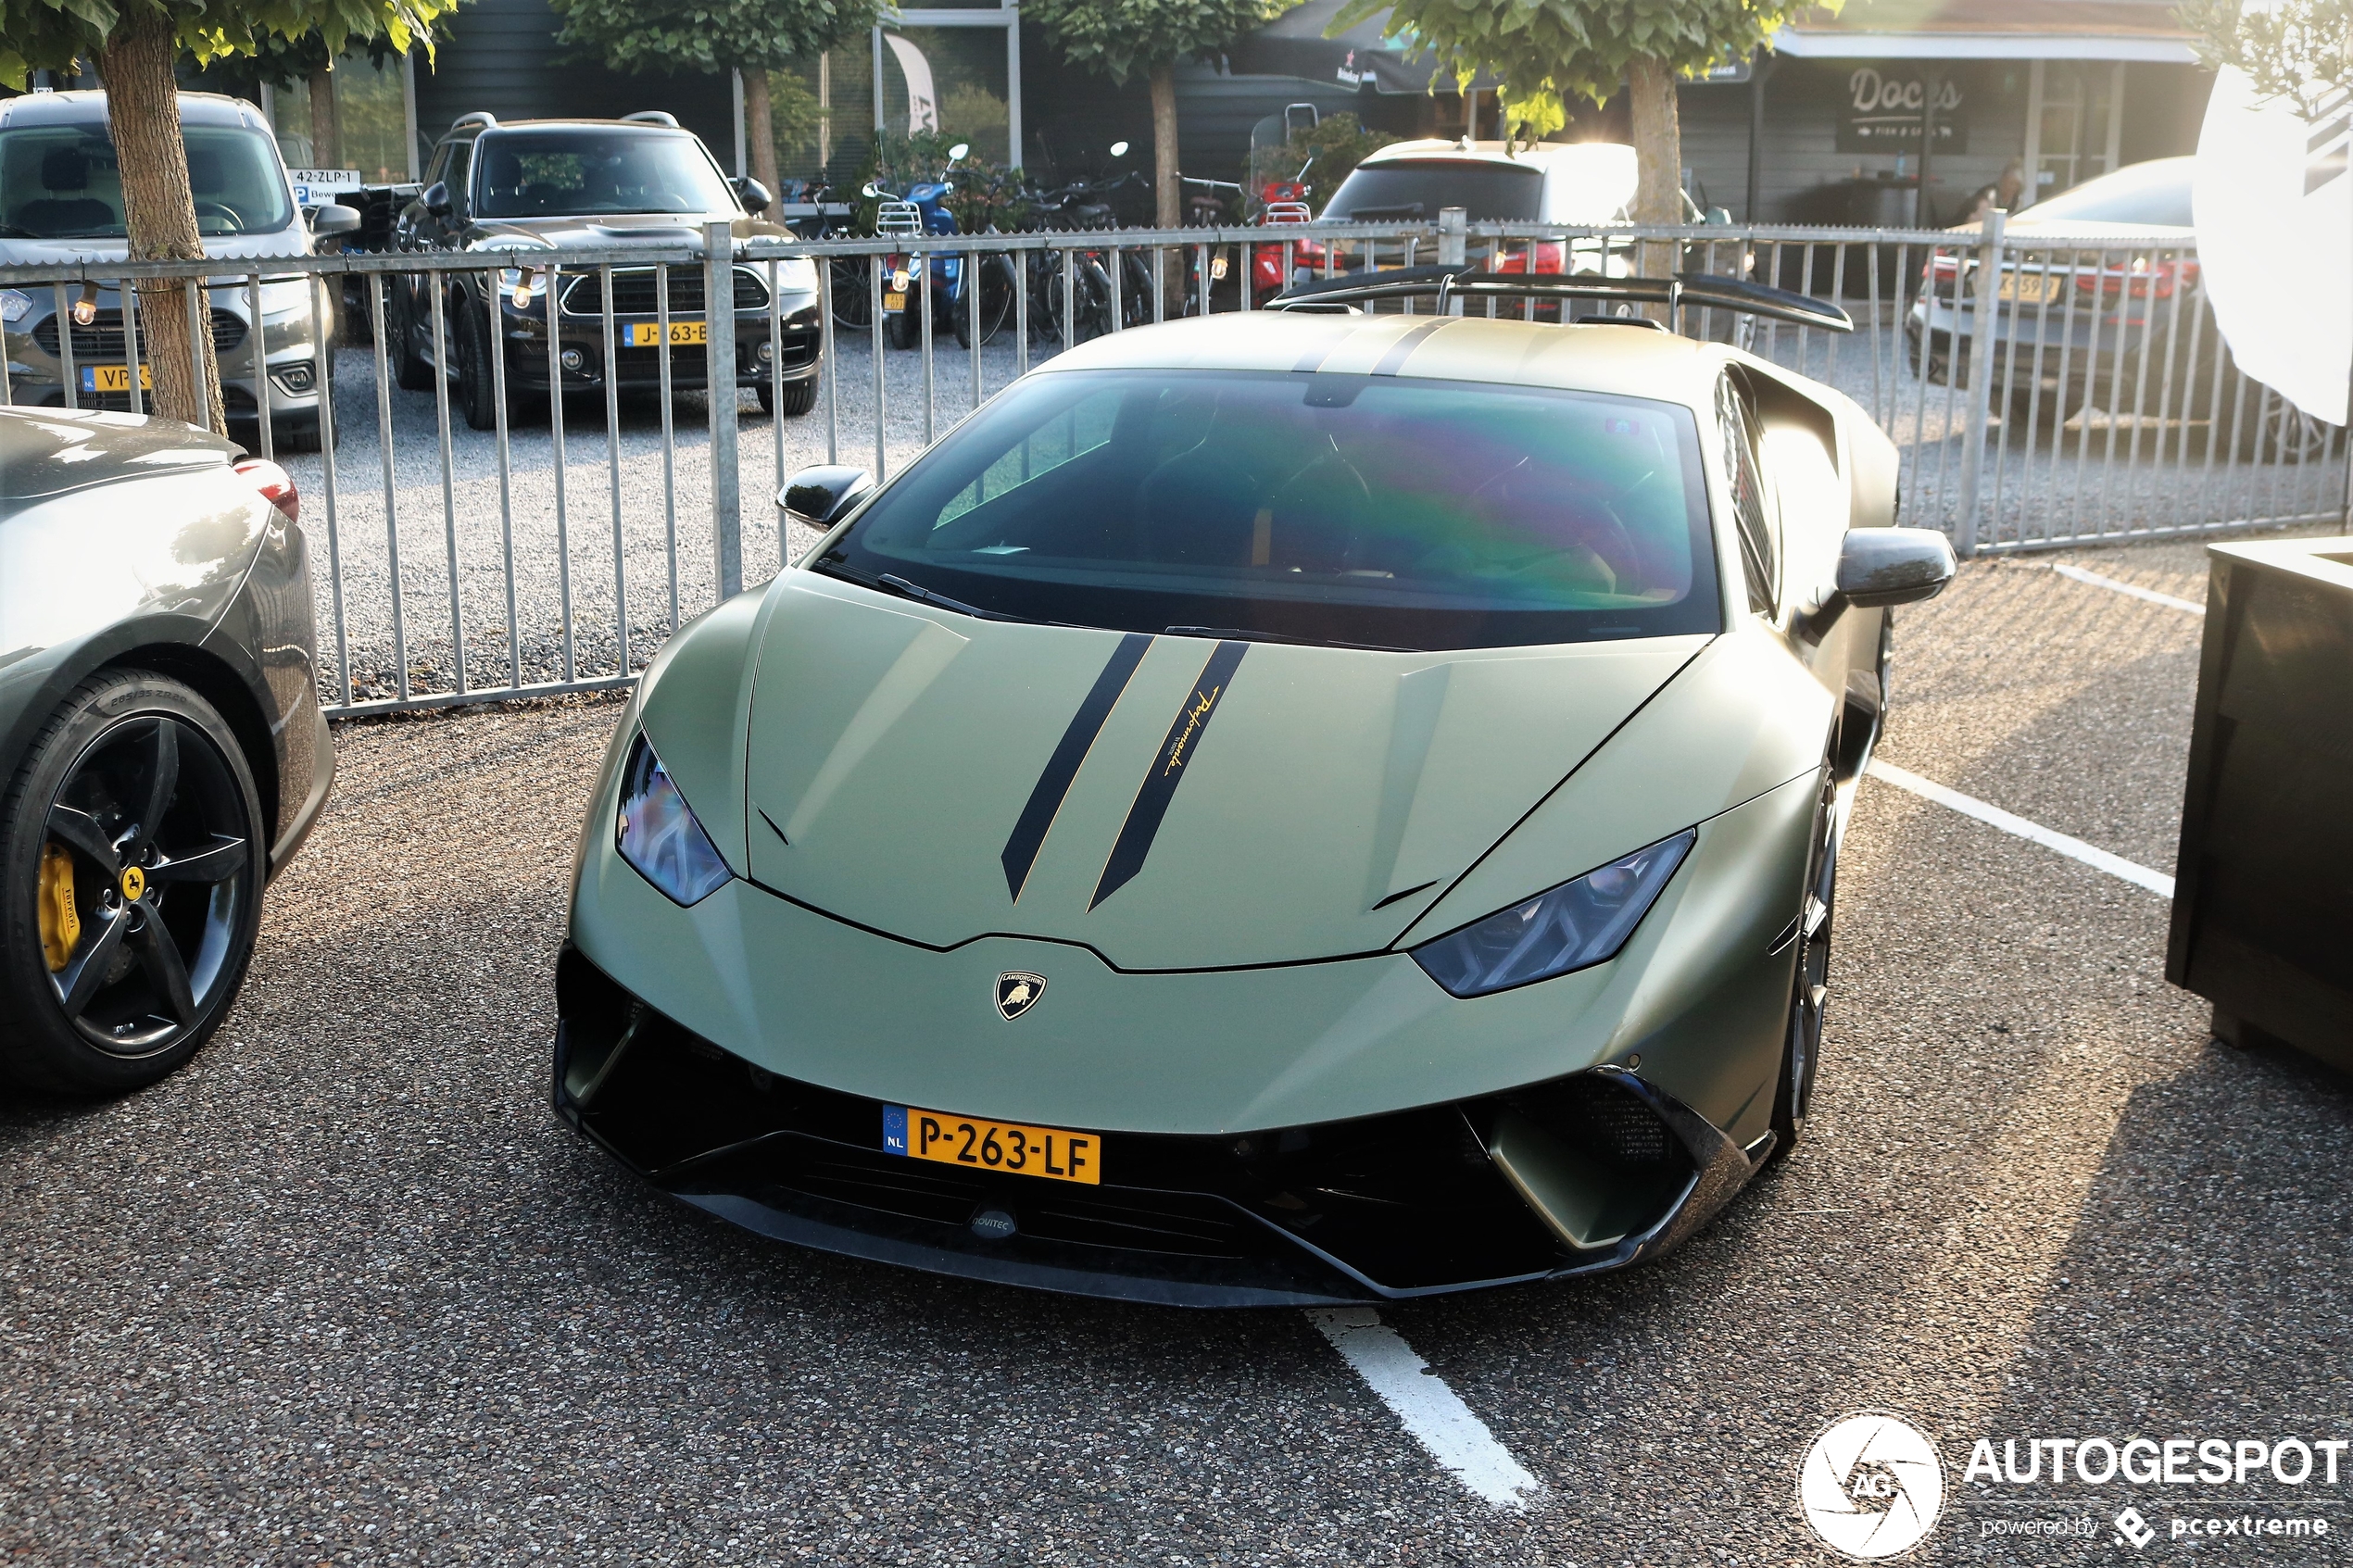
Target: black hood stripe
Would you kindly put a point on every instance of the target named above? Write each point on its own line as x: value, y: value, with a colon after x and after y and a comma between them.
x: 1168, y: 770
x: 1062, y: 768
x: 1403, y: 349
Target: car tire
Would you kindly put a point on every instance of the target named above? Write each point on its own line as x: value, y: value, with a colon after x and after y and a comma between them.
x: 409, y: 373
x: 1802, y: 1042
x: 477, y: 387
x: 134, y: 771
x: 800, y: 397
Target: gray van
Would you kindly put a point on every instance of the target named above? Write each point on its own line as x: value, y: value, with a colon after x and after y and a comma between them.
x: 61, y: 202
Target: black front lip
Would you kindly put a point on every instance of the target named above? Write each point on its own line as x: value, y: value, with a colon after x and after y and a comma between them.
x: 787, y: 1182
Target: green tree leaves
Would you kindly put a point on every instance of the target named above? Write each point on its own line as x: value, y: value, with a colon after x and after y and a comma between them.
x: 54, y: 34
x: 1124, y: 38
x: 2291, y: 50
x: 1546, y: 52
x: 707, y: 37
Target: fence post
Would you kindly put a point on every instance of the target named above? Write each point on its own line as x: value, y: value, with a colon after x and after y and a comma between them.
x: 1981, y: 372
x: 1454, y: 228
x: 719, y: 337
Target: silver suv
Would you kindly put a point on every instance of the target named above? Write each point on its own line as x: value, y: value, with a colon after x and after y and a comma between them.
x: 61, y: 202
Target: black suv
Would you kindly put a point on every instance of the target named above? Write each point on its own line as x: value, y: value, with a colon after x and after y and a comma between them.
x: 560, y: 185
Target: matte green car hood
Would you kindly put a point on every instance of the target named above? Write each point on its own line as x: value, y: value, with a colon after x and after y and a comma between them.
x: 1236, y: 804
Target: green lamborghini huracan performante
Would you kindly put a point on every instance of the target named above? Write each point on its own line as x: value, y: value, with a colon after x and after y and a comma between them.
x: 1298, y: 806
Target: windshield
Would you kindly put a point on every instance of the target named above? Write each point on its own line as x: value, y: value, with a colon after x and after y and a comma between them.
x: 2155, y: 194
x: 1367, y: 510
x: 581, y: 173
x: 1488, y: 193
x: 64, y: 182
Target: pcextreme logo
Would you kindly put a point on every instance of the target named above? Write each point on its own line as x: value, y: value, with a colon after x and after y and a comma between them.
x: 1871, y: 1485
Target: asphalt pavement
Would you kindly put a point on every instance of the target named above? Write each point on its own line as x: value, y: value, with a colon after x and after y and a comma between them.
x: 344, y: 1290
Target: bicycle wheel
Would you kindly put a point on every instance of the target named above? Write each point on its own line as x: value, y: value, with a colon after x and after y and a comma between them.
x: 846, y: 282
x: 997, y: 280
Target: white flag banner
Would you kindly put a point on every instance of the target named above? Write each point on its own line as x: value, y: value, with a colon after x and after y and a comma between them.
x: 2273, y: 202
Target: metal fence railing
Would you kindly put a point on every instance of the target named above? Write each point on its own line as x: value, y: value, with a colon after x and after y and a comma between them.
x: 539, y: 518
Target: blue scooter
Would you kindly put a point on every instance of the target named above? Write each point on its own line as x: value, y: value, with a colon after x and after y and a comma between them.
x: 922, y: 209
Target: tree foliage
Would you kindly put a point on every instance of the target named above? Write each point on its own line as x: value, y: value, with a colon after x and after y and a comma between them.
x: 1122, y: 38
x: 2301, y: 49
x: 708, y: 36
x: 1546, y: 52
x: 55, y: 34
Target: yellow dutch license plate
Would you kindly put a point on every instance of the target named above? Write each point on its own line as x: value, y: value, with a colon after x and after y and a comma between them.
x: 114, y: 378
x: 1055, y: 1153
x: 2029, y: 288
x: 895, y: 301
x: 645, y: 335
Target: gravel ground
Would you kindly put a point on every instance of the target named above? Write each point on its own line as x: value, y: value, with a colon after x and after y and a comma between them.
x: 344, y: 1291
x: 2063, y: 485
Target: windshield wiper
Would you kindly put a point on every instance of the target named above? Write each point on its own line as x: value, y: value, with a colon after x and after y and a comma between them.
x: 1244, y: 634
x: 889, y: 583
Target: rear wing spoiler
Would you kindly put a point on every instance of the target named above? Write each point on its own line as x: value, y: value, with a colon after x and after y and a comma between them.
x: 1684, y: 290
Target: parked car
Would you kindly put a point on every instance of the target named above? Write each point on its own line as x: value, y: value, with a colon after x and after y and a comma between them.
x: 61, y: 201
x: 2103, y: 306
x: 555, y: 186
x: 1274, y: 808
x: 160, y: 740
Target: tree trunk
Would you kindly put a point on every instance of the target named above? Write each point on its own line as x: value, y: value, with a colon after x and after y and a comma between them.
x: 159, y: 213
x: 759, y: 130
x: 1169, y: 190
x: 326, y: 137
x: 1658, y: 153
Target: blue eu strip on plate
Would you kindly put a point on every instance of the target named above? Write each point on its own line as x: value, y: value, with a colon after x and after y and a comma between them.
x: 894, y: 1129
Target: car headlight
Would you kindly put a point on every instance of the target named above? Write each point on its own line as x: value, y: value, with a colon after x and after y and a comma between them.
x: 1575, y: 926
x: 656, y: 832
x: 15, y: 305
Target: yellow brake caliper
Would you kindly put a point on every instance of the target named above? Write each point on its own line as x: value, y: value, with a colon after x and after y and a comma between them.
x: 60, y: 922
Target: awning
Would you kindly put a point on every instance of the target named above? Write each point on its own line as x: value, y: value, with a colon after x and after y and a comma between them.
x: 1990, y: 30
x: 1294, y: 44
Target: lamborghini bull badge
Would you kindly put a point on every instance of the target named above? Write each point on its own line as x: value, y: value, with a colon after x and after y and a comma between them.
x: 1018, y: 992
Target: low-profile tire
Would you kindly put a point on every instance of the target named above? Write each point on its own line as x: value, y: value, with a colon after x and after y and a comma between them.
x: 477, y: 386
x: 800, y: 397
x: 1809, y: 993
x: 134, y: 810
x: 409, y: 371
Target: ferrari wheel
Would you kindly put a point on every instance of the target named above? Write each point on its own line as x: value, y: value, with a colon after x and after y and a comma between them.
x: 1801, y: 1057
x: 131, y: 877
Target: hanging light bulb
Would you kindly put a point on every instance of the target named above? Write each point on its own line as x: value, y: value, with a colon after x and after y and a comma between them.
x: 85, y: 310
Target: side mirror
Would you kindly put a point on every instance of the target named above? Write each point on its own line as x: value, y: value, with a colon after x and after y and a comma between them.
x: 822, y: 494
x: 1119, y: 149
x: 437, y: 199
x: 756, y: 198
x: 330, y: 218
x: 957, y: 153
x: 1878, y: 567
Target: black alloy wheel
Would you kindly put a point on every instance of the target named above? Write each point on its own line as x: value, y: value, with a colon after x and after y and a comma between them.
x: 409, y: 371
x: 1809, y: 994
x: 133, y: 863
x: 477, y: 386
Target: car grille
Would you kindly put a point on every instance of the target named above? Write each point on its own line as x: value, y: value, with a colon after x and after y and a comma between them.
x: 103, y: 339
x: 1408, y: 1199
x: 633, y: 291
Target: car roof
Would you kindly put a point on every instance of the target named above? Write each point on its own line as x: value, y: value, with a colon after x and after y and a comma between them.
x: 1541, y: 157
x: 1626, y: 360
x: 569, y: 122
x: 84, y: 108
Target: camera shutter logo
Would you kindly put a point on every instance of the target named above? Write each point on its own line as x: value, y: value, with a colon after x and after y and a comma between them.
x: 1871, y: 1485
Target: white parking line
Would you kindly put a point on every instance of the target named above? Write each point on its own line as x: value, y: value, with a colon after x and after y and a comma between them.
x: 2151, y: 594
x: 1993, y: 816
x: 1434, y: 1413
